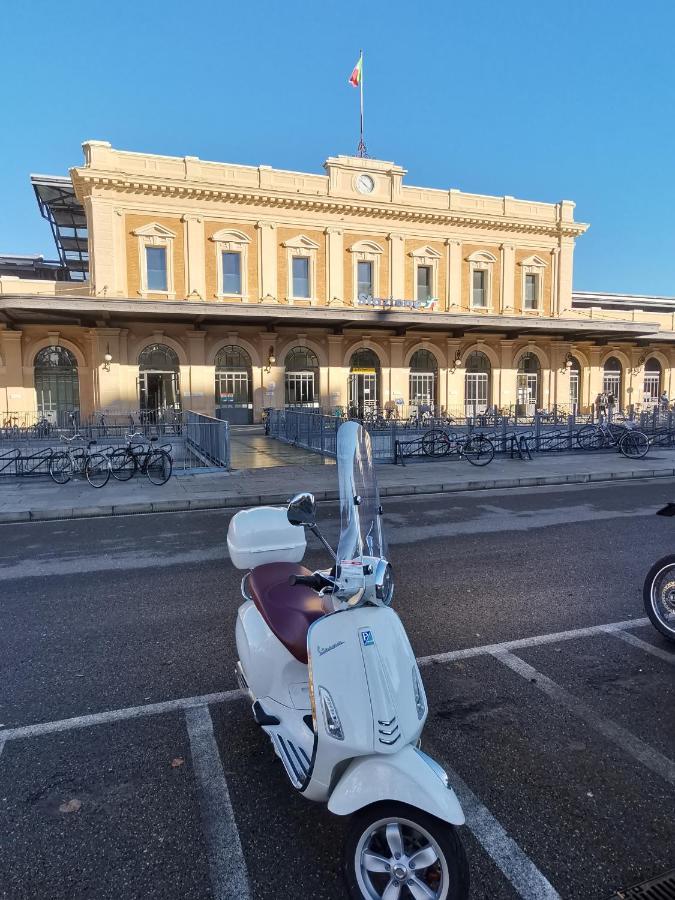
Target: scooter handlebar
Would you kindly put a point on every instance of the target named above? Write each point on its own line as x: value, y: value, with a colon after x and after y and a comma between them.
x: 317, y: 582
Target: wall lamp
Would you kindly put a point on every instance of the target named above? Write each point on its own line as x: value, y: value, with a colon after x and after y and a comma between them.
x: 271, y: 359
x: 568, y: 364
x: 636, y: 369
x: 457, y: 363
x: 107, y: 359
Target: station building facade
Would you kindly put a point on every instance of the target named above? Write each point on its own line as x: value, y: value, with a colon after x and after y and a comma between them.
x: 218, y: 287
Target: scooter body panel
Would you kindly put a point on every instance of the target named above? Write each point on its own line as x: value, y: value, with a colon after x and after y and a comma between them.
x: 405, y: 777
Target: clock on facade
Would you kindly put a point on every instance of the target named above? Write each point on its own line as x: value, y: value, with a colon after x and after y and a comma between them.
x: 364, y: 184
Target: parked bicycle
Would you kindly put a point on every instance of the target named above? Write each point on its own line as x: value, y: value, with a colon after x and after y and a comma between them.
x: 76, y: 461
x: 475, y: 448
x: 153, y: 462
x: 632, y: 443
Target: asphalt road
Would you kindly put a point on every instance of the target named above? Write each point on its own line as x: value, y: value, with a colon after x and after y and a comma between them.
x: 568, y: 762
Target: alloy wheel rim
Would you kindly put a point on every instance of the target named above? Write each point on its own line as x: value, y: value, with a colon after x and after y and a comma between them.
x: 663, y: 596
x: 396, y: 859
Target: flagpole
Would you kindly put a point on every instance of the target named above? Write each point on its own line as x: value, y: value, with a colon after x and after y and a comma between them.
x: 362, y: 143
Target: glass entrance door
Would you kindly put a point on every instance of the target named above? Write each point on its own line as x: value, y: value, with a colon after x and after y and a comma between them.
x: 574, y: 392
x: 300, y: 389
x: 363, y: 392
x: 158, y: 391
x: 527, y: 392
x: 233, y: 396
x: 422, y: 390
x: 476, y: 393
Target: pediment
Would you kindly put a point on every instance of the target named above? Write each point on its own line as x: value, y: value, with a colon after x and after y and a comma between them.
x: 366, y: 247
x: 300, y: 242
x: 482, y: 256
x: 533, y: 261
x: 426, y: 252
x: 231, y: 236
x: 154, y: 229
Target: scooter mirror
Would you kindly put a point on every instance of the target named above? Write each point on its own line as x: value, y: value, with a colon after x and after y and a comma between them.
x: 302, y: 510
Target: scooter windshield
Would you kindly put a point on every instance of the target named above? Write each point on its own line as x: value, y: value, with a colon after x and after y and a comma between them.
x: 361, y: 533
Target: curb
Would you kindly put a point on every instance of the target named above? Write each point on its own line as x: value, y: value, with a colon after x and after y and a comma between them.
x: 243, y: 501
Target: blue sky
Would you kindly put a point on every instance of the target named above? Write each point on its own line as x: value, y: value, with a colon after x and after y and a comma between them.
x: 541, y: 100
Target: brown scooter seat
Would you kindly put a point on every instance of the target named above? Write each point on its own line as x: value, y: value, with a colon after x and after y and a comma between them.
x: 288, y: 609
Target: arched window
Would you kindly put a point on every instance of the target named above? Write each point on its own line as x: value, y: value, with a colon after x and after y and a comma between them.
x: 652, y: 383
x: 477, y: 383
x: 364, y: 381
x: 57, y: 385
x: 234, y: 385
x: 158, y: 378
x: 611, y: 380
x: 528, y: 384
x: 575, y: 385
x: 302, y: 377
x: 423, y: 382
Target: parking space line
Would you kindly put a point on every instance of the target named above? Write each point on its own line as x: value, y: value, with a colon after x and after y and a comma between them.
x: 513, y: 862
x: 642, y: 645
x: 628, y: 742
x: 118, y: 715
x: 227, y: 866
x: 535, y: 641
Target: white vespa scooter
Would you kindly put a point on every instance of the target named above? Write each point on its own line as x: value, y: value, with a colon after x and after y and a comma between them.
x: 334, y: 683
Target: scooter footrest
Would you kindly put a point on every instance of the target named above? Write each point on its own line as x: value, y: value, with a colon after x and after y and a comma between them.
x: 261, y: 717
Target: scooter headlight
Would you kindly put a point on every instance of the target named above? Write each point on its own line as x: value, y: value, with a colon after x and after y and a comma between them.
x: 420, y: 701
x: 330, y: 716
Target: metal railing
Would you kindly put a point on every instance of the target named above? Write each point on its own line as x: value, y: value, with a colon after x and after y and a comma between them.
x: 208, y: 439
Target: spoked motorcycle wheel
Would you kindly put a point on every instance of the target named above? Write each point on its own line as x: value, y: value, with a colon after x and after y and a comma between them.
x: 396, y: 852
x: 659, y: 596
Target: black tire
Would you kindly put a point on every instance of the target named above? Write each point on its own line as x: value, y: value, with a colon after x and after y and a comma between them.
x: 97, y: 470
x: 61, y: 468
x: 590, y: 438
x: 658, y: 596
x: 634, y: 444
x: 123, y: 465
x: 449, y: 874
x: 159, y: 467
x: 479, y: 450
x: 435, y: 443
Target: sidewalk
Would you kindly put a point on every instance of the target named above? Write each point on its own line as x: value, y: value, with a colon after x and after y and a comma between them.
x: 41, y: 499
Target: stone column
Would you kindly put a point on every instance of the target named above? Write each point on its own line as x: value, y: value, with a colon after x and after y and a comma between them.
x: 267, y: 261
x: 397, y: 266
x: 107, y: 382
x: 195, y: 262
x: 17, y: 395
x: 560, y: 392
x: 335, y: 263
x: 399, y: 380
x: 272, y: 387
x: 507, y: 395
x: 454, y: 279
x: 595, y: 374
x: 202, y: 377
x: 507, y: 287
x: 565, y: 264
x: 337, y: 374
x: 455, y: 380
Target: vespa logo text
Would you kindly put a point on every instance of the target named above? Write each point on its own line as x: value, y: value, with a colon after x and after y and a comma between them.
x: 323, y: 650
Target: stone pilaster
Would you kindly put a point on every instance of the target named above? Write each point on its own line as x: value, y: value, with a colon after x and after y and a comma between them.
x: 195, y: 262
x: 267, y: 261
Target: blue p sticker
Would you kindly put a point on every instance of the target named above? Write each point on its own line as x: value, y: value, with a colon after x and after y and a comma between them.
x: 367, y: 638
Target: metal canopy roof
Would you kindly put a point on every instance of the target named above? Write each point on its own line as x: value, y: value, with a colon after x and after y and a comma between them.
x: 65, y: 214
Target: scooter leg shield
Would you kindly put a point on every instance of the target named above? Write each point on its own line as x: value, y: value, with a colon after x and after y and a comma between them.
x: 407, y: 777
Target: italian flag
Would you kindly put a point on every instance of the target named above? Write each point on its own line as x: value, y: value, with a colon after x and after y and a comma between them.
x: 355, y: 77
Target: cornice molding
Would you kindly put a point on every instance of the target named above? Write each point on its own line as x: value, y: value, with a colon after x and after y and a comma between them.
x: 270, y: 200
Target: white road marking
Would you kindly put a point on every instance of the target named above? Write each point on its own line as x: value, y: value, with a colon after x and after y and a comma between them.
x: 153, y: 709
x: 554, y: 638
x: 117, y: 715
x: 503, y: 850
x: 642, y: 645
x: 227, y: 866
x: 2, y: 745
x: 630, y: 744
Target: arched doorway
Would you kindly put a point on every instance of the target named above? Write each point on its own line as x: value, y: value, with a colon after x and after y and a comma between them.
x: 423, y: 382
x: 611, y: 381
x: 364, y: 381
x: 158, y: 378
x: 57, y: 384
x: 234, y: 385
x: 302, y: 378
x: 528, y: 385
x: 477, y: 383
x: 651, y: 390
x: 575, y: 385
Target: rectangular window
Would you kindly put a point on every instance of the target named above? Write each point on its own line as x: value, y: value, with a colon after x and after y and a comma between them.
x: 423, y: 282
x: 364, y: 274
x: 232, y: 273
x: 155, y: 261
x: 301, y: 277
x: 531, y: 291
x: 479, y: 294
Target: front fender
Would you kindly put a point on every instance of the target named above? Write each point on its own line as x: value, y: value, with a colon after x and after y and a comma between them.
x: 404, y: 777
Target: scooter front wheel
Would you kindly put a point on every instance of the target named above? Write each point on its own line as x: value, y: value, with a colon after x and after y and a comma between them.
x: 658, y: 596
x: 396, y: 851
